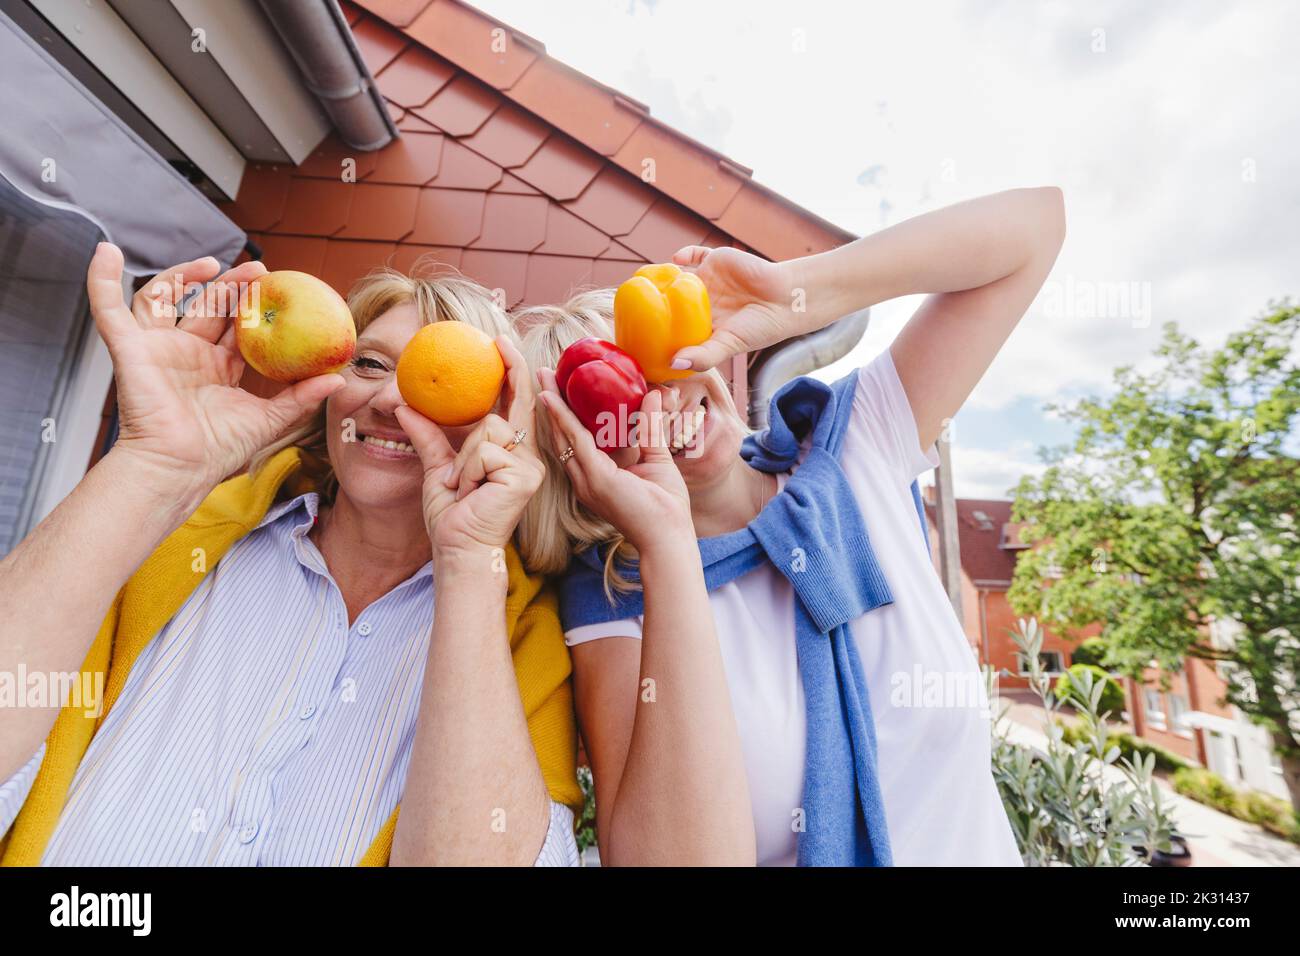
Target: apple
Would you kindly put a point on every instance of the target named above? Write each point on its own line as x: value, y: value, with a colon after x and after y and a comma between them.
x: 293, y: 325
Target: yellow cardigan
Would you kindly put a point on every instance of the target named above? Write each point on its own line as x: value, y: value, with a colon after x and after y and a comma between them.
x: 166, y: 579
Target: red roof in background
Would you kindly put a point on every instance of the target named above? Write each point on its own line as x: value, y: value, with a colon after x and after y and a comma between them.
x: 519, y: 171
x: 980, y: 541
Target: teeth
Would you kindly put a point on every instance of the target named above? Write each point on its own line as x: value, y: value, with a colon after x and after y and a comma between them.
x: 384, y: 443
x: 689, y: 426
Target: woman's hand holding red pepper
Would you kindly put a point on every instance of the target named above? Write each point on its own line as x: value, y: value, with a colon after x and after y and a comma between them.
x: 647, y: 501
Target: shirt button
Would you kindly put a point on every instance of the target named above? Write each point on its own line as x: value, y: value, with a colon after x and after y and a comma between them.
x: 247, y: 833
x: 307, y: 711
x: 363, y: 628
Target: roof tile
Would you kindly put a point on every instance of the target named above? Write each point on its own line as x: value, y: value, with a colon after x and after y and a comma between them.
x: 465, y: 169
x: 614, y: 201
x: 414, y: 77
x: 346, y: 262
x: 562, y: 168
x: 462, y: 106
x: 555, y: 278
x: 447, y: 217
x: 665, y: 229
x: 498, y: 270
x: 411, y: 123
x: 399, y: 13
x: 316, y: 207
x: 567, y: 235
x: 378, y: 43
x: 299, y: 253
x: 475, y: 42
x: 411, y: 159
x: 513, y: 184
x: 513, y: 223
x: 329, y: 159
x: 617, y: 250
x: 260, y: 201
x: 691, y: 176
x: 509, y: 137
x: 578, y: 105
x: 408, y: 254
x: 776, y: 229
x: 610, y: 273
x: 381, y: 212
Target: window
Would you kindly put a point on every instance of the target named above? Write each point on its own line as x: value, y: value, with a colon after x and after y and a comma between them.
x: 1155, y: 713
x: 1050, y: 661
x: 1178, y: 709
x: 43, y: 321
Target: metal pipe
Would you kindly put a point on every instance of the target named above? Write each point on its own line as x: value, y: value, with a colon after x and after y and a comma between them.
x: 319, y: 39
x: 803, y: 355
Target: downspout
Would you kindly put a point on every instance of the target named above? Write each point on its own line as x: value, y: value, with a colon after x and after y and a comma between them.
x: 805, y: 354
x: 319, y: 40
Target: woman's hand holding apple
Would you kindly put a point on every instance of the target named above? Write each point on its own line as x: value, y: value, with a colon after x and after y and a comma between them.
x: 182, y: 417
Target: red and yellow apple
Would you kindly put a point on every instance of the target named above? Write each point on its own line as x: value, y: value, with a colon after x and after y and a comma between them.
x: 292, y: 326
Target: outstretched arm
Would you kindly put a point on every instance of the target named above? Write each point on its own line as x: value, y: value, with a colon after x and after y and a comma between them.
x: 982, y: 261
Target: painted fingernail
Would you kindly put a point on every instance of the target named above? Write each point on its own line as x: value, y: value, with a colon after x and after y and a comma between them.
x: 680, y: 364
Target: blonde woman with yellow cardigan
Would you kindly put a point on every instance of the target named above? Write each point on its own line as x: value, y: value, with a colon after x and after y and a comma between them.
x: 278, y: 673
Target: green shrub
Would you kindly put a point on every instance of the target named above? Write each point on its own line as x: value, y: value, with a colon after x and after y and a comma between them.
x: 1091, y: 651
x: 585, y: 825
x: 1267, y: 811
x: 1131, y: 747
x: 1071, y: 686
x: 1061, y: 808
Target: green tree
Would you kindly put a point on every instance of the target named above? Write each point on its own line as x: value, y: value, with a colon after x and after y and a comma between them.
x: 1178, y: 505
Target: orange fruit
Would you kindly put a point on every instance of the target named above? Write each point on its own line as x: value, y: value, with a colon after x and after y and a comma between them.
x: 451, y: 373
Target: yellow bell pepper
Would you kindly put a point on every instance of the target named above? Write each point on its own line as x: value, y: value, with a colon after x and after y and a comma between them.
x: 656, y: 312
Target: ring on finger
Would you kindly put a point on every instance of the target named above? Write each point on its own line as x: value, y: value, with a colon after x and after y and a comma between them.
x: 566, y: 454
x: 517, y: 440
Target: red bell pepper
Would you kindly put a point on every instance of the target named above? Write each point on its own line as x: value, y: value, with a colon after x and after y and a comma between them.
x: 604, y: 386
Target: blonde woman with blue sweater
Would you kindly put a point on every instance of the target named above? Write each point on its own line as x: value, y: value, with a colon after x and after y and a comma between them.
x: 747, y: 613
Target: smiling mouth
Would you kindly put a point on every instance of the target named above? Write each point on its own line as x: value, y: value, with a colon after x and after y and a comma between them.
x: 689, y: 428
x: 384, y: 443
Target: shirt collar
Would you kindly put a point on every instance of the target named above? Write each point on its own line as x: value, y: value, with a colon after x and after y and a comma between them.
x: 309, y: 502
x: 301, y: 512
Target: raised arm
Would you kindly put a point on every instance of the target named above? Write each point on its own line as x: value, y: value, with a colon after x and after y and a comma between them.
x: 183, y: 427
x: 476, y: 792
x: 982, y: 261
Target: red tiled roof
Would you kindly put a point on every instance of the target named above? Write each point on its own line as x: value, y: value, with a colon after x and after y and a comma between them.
x: 983, y: 558
x: 509, y: 163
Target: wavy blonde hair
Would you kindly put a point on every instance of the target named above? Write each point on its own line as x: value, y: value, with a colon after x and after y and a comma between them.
x: 554, y: 525
x: 440, y: 294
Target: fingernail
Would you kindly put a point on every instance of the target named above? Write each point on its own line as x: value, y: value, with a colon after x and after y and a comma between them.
x: 680, y: 364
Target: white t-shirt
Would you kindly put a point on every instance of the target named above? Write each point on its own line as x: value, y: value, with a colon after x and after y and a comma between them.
x: 927, y: 696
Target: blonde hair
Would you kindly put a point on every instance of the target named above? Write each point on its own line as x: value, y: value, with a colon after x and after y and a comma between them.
x: 554, y: 525
x: 439, y: 294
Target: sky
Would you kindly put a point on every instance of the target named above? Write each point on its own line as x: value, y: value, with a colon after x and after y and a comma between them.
x: 1173, y: 127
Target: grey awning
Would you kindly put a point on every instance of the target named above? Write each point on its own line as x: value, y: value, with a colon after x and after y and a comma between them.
x: 62, y: 145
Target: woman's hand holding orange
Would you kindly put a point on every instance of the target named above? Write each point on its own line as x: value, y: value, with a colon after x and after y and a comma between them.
x: 473, y: 498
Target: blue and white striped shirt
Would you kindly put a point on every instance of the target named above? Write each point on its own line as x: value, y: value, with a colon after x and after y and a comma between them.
x: 257, y: 727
